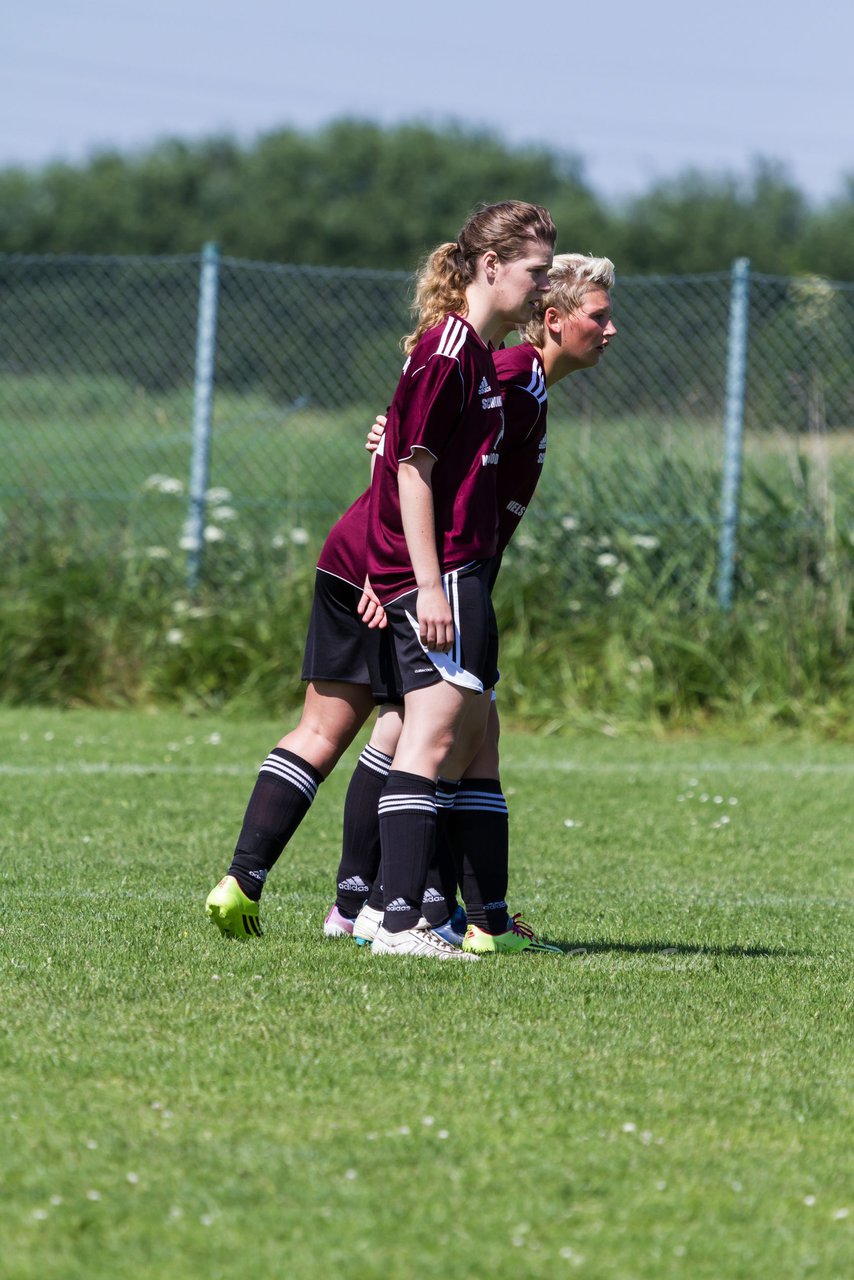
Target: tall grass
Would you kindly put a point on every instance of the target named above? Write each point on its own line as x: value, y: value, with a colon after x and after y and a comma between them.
x: 606, y: 601
x: 81, y: 628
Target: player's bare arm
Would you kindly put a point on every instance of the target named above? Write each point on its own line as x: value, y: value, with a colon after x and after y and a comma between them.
x: 419, y: 527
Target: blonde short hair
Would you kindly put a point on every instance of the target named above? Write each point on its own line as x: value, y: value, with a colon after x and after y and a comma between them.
x: 571, y: 277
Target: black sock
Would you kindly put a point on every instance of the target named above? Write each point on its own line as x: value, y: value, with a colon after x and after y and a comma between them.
x: 360, y: 852
x: 407, y: 812
x: 478, y: 829
x: 440, y: 893
x: 281, y: 798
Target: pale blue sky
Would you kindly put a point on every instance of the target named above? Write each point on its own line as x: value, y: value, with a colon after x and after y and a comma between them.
x: 639, y: 91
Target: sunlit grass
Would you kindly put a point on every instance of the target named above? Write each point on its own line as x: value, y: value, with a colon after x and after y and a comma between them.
x: 671, y: 1097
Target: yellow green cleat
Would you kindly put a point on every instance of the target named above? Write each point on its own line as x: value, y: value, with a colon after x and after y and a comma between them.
x: 519, y: 937
x: 232, y: 912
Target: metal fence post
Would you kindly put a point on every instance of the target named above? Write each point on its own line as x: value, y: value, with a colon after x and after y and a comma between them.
x: 203, y: 392
x: 736, y: 377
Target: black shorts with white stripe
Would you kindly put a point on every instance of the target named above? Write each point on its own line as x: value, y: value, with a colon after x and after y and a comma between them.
x: 472, y: 662
x: 339, y: 645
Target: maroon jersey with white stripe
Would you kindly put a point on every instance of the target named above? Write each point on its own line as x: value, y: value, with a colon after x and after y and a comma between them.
x: 448, y: 402
x: 344, y: 551
x: 523, y: 449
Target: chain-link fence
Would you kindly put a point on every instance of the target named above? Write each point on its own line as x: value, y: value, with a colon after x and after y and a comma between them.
x: 209, y: 414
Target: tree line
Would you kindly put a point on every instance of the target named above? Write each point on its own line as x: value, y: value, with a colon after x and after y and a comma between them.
x: 355, y: 194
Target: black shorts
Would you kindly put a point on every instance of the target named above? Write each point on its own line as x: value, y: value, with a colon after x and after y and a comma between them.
x: 339, y: 645
x: 473, y: 661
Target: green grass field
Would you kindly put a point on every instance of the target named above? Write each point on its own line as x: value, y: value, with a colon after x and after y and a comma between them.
x: 671, y: 1098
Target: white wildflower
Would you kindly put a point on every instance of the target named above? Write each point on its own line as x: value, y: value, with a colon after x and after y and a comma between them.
x: 607, y: 560
x: 277, y: 541
x: 174, y: 635
x: 614, y: 588
x: 299, y: 537
x: 645, y: 542
x: 163, y: 484
x: 213, y: 533
x: 218, y: 494
x: 641, y: 665
x: 569, y: 523
x: 158, y: 553
x: 223, y: 513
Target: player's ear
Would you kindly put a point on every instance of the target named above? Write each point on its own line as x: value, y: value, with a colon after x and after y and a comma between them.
x: 552, y: 319
x: 489, y: 262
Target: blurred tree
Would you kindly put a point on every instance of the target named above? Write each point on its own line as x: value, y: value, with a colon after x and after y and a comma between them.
x: 354, y: 194
x: 700, y: 222
x: 829, y: 242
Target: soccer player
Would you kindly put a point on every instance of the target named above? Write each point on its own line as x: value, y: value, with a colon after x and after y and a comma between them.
x: 571, y: 330
x: 433, y: 532
x: 339, y: 694
x: 349, y: 670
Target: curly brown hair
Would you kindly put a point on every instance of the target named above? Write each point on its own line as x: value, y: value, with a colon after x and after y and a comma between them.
x: 440, y: 285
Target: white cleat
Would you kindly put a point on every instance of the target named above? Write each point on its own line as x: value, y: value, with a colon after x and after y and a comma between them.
x: 366, y: 924
x: 420, y: 941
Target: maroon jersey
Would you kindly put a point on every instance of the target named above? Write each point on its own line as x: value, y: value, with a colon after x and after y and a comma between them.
x: 343, y: 553
x: 448, y: 402
x: 523, y: 449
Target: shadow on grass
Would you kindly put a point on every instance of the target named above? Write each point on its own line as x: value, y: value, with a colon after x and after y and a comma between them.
x: 667, y: 950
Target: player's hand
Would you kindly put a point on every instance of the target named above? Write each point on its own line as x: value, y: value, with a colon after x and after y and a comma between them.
x: 435, y: 620
x: 369, y: 608
x: 376, y: 433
